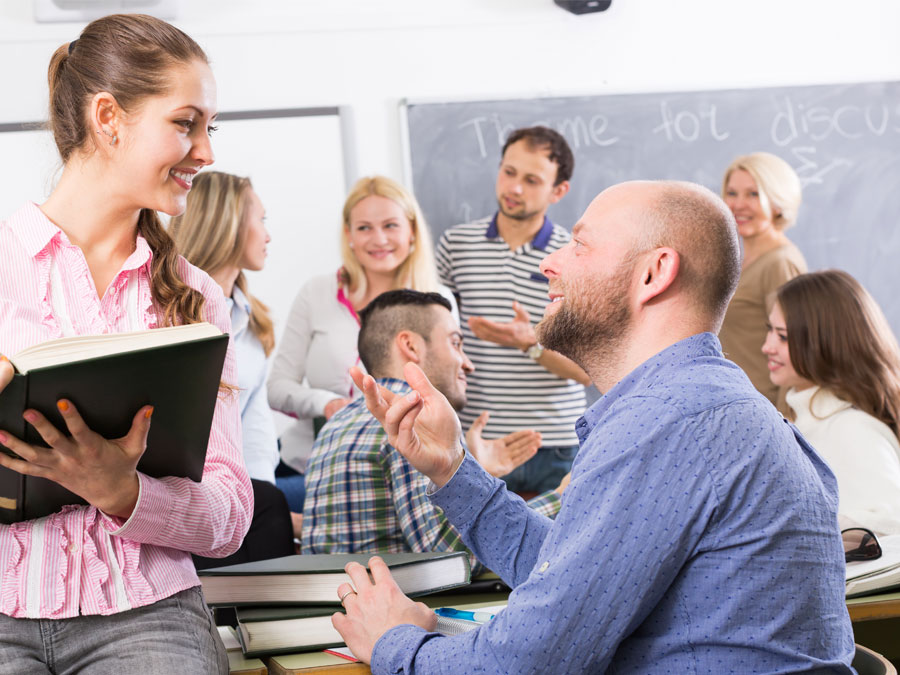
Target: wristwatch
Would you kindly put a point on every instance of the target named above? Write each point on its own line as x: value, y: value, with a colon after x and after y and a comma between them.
x: 535, y: 351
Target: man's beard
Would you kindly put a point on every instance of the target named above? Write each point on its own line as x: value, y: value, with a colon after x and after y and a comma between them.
x: 445, y: 383
x: 592, y: 322
x: 516, y: 215
x: 456, y: 400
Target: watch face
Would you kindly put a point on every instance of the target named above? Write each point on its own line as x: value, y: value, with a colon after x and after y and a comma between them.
x: 535, y: 351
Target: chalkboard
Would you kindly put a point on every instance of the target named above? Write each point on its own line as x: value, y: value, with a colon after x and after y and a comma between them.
x: 843, y: 141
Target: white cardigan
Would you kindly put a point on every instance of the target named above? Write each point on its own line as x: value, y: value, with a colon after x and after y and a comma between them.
x: 310, y: 367
x: 862, y: 451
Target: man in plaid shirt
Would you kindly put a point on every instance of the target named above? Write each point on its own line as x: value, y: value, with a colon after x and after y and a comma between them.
x: 362, y: 495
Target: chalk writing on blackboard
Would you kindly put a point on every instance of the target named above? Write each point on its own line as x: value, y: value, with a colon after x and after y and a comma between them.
x: 843, y: 140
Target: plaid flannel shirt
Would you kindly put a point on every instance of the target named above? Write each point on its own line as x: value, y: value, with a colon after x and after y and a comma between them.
x: 363, y: 496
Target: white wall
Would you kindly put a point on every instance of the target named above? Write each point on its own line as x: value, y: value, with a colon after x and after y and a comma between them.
x: 370, y: 54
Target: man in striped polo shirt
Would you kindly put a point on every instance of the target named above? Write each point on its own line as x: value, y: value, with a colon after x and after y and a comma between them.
x: 492, y: 266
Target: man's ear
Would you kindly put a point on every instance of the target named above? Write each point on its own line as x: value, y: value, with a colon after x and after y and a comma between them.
x: 658, y: 273
x: 559, y: 191
x: 411, y: 346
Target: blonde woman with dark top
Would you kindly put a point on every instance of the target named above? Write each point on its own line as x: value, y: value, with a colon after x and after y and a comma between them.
x: 223, y: 232
x: 830, y: 347
x: 763, y: 193
x: 132, y: 105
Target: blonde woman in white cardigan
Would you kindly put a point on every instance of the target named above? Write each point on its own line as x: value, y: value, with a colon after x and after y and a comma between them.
x: 830, y: 343
x: 385, y: 244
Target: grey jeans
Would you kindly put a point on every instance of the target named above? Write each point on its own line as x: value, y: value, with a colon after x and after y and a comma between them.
x: 174, y: 635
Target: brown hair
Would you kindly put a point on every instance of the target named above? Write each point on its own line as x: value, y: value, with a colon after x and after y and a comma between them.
x: 388, y: 314
x: 211, y: 235
x: 540, y: 138
x: 839, y: 339
x: 130, y: 56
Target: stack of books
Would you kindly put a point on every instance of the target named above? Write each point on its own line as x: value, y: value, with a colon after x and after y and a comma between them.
x: 285, y: 604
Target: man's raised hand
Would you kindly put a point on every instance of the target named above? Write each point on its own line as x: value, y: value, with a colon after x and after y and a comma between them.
x: 499, y: 456
x: 422, y: 425
x: 518, y: 333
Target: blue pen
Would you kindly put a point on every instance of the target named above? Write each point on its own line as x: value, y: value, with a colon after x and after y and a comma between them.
x: 450, y: 613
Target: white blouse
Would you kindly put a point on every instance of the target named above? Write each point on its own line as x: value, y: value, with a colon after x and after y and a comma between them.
x: 862, y: 451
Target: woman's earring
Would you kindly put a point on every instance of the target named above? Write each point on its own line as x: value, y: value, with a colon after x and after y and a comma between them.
x: 113, y: 139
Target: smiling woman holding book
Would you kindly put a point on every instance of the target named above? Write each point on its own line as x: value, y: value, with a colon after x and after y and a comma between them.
x: 132, y: 101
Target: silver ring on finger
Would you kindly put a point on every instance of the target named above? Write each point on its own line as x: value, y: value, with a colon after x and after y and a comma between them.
x: 350, y: 592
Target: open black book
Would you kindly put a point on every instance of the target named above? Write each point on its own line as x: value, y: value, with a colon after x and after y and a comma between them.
x: 109, y: 377
x: 313, y: 579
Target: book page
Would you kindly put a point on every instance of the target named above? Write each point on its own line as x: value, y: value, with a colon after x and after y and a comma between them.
x: 229, y: 638
x: 81, y: 347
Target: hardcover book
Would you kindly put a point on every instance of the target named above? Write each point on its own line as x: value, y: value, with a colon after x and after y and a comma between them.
x: 313, y: 579
x: 281, y: 630
x: 109, y: 377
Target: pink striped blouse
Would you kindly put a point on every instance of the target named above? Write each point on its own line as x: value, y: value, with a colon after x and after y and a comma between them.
x: 81, y: 561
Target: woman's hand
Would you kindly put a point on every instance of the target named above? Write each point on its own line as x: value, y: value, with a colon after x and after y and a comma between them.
x: 100, y: 471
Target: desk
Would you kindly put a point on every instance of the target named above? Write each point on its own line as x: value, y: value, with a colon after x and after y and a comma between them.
x: 876, y: 623
x: 239, y: 665
x: 873, y: 607
x: 314, y: 663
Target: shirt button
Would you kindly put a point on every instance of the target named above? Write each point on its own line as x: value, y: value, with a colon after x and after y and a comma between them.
x: 73, y: 548
x: 544, y: 567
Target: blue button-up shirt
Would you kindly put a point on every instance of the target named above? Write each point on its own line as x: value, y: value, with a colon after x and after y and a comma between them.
x: 698, y: 534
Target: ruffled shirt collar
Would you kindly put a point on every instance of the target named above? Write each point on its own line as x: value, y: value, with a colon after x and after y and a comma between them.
x: 35, y: 230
